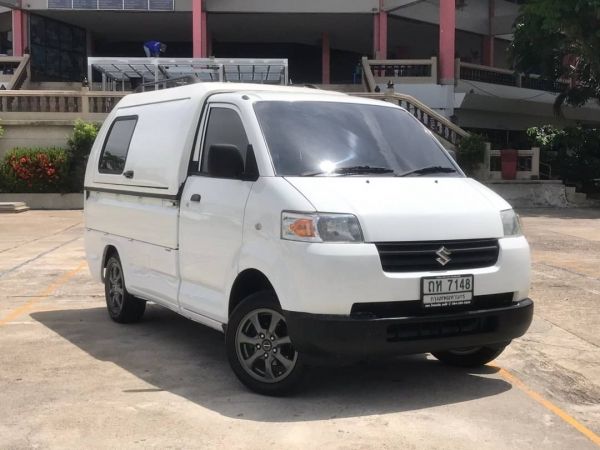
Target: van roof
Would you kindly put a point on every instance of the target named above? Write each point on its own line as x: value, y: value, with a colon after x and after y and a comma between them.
x: 201, y: 90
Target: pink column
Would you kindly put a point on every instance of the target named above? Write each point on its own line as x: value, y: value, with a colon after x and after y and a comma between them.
x: 447, y: 37
x: 325, y: 59
x: 198, y: 29
x: 18, y: 41
x: 488, y: 41
x: 380, y: 33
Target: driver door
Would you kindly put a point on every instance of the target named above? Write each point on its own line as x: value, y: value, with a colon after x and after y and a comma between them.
x: 211, y: 219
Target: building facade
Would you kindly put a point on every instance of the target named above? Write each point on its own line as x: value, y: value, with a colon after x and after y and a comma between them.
x: 450, y: 54
x: 322, y: 39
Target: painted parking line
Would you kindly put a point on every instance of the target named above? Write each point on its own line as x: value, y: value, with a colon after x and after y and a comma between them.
x: 564, y: 416
x: 47, y: 292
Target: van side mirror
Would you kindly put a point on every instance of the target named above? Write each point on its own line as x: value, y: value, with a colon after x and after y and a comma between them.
x: 225, y: 161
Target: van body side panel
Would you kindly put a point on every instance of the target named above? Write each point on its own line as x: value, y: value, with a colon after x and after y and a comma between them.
x: 146, y: 232
x: 144, y: 219
x: 159, y: 283
x: 210, y: 241
x: 158, y: 152
x: 263, y: 250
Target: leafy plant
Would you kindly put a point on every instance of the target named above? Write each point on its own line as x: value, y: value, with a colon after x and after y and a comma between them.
x: 80, y: 144
x: 572, y: 152
x: 471, y: 153
x: 559, y: 39
x: 34, y: 170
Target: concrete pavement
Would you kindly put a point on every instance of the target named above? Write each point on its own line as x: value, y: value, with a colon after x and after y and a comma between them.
x: 71, y: 378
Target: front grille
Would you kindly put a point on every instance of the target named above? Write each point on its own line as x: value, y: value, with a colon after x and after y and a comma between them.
x: 441, y: 329
x: 383, y: 310
x: 422, y: 256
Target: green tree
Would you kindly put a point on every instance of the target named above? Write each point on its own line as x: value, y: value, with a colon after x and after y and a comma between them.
x: 560, y: 39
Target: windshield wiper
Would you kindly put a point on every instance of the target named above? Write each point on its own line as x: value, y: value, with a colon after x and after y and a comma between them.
x: 351, y: 170
x: 427, y: 170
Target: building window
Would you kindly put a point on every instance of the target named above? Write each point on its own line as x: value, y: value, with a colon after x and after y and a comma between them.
x: 58, y: 50
x: 116, y: 145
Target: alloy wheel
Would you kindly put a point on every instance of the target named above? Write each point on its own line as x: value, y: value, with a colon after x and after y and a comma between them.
x: 263, y: 346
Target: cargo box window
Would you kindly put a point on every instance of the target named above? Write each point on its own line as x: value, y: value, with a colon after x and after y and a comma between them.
x: 116, y: 145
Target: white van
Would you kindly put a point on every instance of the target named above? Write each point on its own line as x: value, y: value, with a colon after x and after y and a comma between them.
x: 308, y: 226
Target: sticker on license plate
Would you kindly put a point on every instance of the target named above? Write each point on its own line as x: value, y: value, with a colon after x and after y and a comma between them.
x: 437, y: 292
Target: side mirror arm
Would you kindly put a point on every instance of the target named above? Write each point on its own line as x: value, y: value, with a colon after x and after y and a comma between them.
x: 251, y: 167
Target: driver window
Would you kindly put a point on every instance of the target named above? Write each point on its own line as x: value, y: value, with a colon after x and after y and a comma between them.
x: 224, y: 127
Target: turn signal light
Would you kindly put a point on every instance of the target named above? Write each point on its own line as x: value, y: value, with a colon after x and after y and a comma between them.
x: 303, y: 228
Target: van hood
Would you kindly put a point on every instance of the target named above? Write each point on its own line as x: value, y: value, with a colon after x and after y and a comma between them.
x: 409, y: 209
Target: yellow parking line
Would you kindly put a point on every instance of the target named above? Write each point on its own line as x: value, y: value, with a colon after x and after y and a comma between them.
x: 512, y: 379
x: 60, y: 281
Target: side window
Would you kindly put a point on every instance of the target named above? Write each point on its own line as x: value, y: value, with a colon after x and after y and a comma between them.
x: 116, y: 145
x: 224, y: 127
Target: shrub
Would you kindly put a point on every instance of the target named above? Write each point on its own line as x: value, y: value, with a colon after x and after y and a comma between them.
x: 80, y: 144
x: 573, y: 153
x: 35, y: 170
x: 471, y: 153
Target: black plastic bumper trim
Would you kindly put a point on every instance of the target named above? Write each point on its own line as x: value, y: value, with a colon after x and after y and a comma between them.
x: 349, y: 337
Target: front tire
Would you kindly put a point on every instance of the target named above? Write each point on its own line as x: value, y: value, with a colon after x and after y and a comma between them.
x: 122, y: 306
x: 259, y: 348
x: 470, y: 357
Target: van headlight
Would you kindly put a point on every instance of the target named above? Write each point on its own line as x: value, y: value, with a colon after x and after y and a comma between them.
x: 510, y: 223
x: 317, y: 227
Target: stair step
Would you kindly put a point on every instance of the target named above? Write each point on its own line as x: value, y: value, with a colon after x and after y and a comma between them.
x: 13, y: 207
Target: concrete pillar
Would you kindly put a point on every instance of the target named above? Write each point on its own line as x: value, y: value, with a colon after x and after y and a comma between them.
x: 19, y: 27
x: 325, y: 59
x: 447, y: 40
x: 488, y: 41
x: 199, y: 40
x: 380, y: 33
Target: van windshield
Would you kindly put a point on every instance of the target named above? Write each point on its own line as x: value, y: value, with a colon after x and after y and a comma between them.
x: 315, y: 138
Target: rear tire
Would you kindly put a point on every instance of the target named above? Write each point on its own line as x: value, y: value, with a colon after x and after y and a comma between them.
x: 256, y: 328
x: 122, y: 306
x: 470, y: 357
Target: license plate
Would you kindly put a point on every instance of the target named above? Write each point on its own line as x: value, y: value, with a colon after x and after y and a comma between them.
x: 437, y: 292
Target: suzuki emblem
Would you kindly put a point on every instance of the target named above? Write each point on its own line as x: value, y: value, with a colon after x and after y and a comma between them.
x: 444, y: 255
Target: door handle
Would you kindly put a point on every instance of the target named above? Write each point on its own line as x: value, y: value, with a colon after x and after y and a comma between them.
x: 128, y: 174
x: 195, y: 198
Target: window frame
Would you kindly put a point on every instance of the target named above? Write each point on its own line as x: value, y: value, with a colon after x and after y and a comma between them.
x: 204, y: 124
x: 134, y: 117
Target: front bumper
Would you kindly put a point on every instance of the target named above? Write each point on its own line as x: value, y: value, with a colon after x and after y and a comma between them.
x: 346, y: 337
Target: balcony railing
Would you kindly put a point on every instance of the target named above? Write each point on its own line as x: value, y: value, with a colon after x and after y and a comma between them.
x: 485, y: 74
x: 401, y: 70
x: 57, y: 105
x: 424, y: 71
x: 494, y: 75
